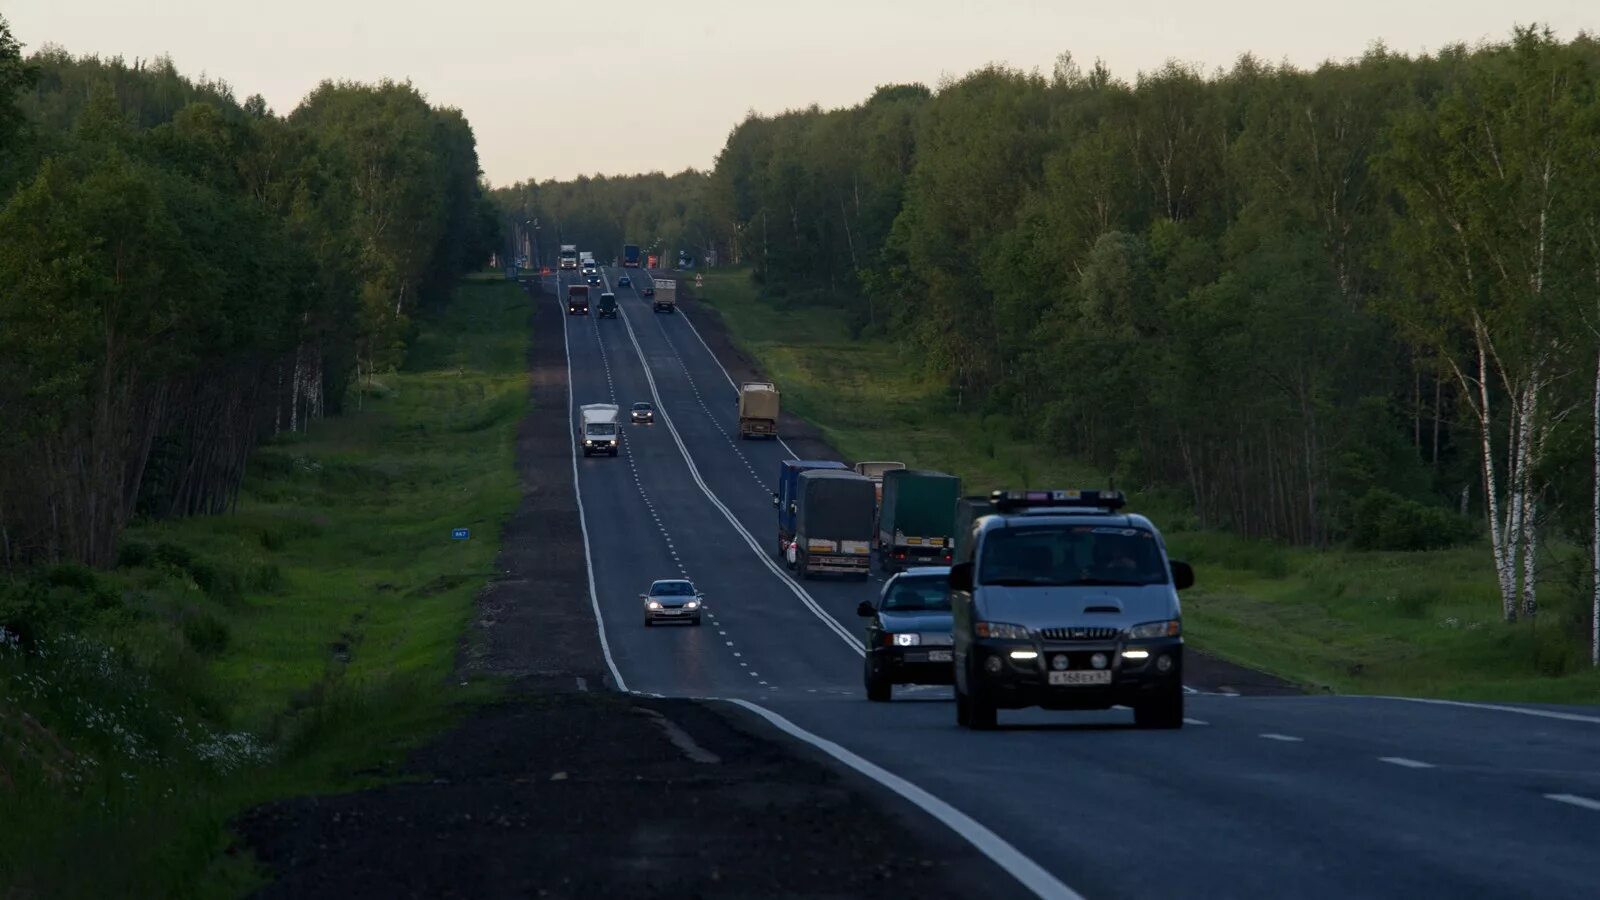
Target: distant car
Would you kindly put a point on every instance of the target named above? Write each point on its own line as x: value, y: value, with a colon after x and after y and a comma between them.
x: 649, y: 290
x: 644, y: 414
x: 908, y: 637
x: 624, y: 281
x: 593, y: 278
x: 672, y: 599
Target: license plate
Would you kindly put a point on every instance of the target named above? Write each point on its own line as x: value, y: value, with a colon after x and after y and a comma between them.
x: 939, y: 656
x: 1101, y: 677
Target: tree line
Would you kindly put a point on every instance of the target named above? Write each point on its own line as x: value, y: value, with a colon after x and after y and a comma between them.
x: 1357, y: 302
x: 183, y: 274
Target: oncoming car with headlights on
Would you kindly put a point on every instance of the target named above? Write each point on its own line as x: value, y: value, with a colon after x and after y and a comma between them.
x: 1059, y: 600
x: 908, y: 635
x: 672, y: 600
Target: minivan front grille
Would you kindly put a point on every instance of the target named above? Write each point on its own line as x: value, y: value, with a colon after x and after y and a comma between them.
x: 1099, y: 633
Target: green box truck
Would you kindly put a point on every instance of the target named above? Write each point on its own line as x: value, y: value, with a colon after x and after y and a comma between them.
x: 917, y: 521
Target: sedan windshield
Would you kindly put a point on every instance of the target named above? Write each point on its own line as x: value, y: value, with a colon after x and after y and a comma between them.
x: 672, y: 589
x: 1071, y: 555
x: 925, y: 592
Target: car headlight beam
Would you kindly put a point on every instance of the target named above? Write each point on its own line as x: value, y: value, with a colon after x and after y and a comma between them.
x: 1164, y: 628
x: 907, y: 639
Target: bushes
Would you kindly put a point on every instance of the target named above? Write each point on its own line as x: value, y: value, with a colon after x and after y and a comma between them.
x: 1382, y: 520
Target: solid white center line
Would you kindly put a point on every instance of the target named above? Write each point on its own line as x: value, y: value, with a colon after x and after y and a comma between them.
x: 1408, y: 763
x: 1282, y: 737
x: 1575, y: 800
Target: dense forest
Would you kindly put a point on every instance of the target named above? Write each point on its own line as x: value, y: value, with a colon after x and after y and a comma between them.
x: 184, y: 274
x: 1358, y: 303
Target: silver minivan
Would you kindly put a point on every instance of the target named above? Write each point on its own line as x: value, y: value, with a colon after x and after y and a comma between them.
x: 1061, y: 601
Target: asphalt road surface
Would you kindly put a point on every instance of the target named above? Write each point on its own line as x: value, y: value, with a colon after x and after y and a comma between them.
x: 1258, y: 796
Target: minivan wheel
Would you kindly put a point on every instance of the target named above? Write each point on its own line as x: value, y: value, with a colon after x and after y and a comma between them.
x: 1165, y: 710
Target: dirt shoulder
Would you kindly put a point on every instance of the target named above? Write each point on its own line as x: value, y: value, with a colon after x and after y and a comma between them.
x: 566, y: 789
x: 1203, y: 671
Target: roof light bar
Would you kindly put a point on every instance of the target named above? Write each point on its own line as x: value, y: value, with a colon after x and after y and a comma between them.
x: 1006, y: 501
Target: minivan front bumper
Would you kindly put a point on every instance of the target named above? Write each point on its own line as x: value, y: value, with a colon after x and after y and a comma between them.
x: 1012, y: 683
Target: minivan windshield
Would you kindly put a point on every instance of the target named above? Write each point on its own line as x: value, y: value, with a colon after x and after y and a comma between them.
x: 923, y: 592
x: 1087, y: 555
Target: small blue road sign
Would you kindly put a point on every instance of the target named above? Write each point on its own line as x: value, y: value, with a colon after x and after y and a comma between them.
x: 461, y: 534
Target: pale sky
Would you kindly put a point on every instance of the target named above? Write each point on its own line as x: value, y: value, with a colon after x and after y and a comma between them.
x: 557, y: 89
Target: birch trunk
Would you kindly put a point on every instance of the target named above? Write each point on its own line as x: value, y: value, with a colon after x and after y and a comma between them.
x: 1491, y: 488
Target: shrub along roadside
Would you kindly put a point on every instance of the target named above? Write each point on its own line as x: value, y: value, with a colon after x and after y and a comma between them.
x: 230, y: 660
x: 1423, y: 623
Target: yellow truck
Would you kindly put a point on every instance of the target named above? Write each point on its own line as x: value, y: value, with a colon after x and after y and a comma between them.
x: 758, y: 410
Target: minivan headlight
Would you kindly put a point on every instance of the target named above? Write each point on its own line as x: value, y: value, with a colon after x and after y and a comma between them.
x: 1166, y: 628
x: 1000, y: 630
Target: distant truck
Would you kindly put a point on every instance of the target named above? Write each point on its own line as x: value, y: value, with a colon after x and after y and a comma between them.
x: 665, y: 296
x: 577, y: 299
x: 608, y: 306
x: 586, y: 258
x: 630, y: 256
x: 786, y: 500
x: 968, y: 510
x: 569, y: 256
x: 917, y: 519
x: 875, y: 471
x: 758, y: 410
x: 834, y: 511
x: 599, y: 432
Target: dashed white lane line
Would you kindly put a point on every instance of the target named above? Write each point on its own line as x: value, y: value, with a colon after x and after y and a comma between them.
x: 1189, y: 721
x: 1405, y: 763
x: 1288, y: 738
x: 1575, y: 800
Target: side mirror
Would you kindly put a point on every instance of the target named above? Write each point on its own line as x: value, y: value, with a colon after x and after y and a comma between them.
x: 961, y: 577
x: 774, y: 501
x: 1182, y: 575
x: 864, y: 609
x: 644, y: 596
x: 793, y: 509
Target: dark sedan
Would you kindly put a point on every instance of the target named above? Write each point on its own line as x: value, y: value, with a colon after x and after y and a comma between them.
x: 908, y: 637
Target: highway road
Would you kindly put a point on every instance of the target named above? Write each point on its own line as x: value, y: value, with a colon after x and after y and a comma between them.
x: 1314, y: 796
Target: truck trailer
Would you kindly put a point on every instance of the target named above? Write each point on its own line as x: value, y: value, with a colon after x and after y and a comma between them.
x: 630, y: 256
x: 834, y: 511
x: 758, y: 410
x: 875, y: 471
x: 917, y: 519
x: 787, y: 499
x: 665, y: 296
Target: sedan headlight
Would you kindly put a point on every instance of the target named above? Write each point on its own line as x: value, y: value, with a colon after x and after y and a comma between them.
x: 1166, y: 628
x: 1000, y: 630
x: 907, y: 639
x: 692, y: 604
x: 653, y: 604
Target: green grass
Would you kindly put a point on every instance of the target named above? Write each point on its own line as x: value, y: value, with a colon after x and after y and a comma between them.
x: 1419, y: 624
x: 319, y: 623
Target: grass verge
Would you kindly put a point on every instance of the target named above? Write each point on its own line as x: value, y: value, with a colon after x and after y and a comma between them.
x: 299, y: 645
x: 1420, y: 624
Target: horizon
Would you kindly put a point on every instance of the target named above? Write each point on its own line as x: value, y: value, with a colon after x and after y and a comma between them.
x: 733, y: 69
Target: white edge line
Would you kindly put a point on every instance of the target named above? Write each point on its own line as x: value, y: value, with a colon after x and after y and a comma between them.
x: 853, y: 642
x: 577, y: 491
x: 1575, y: 800
x: 1541, y: 713
x: 1029, y: 873
x: 1286, y: 738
